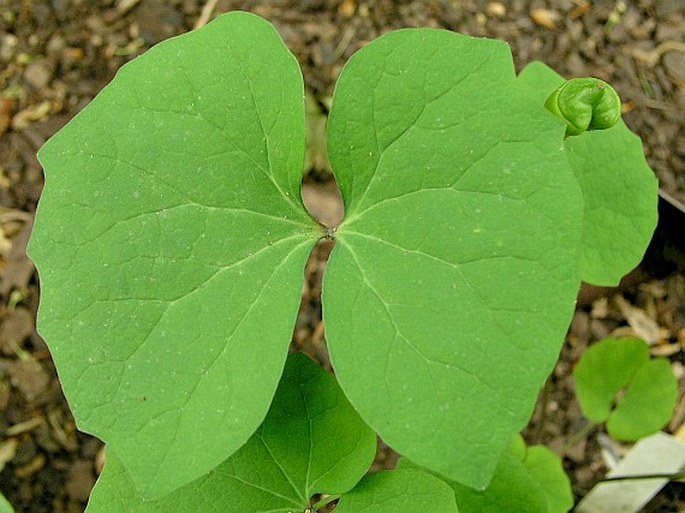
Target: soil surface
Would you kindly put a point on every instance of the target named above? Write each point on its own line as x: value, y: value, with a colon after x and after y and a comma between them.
x: 55, y: 55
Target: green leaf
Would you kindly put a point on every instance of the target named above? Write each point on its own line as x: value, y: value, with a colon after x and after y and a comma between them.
x: 547, y: 470
x: 619, y: 190
x: 621, y: 199
x: 526, y: 480
x: 5, y: 506
x: 398, y: 491
x: 454, y: 275
x: 617, y: 382
x: 170, y: 228
x: 312, y: 441
x: 540, y: 80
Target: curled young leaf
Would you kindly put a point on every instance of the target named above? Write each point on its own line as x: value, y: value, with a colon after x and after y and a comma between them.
x: 585, y: 104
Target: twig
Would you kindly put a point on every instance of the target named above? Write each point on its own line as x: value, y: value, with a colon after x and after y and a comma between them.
x: 206, y: 13
x: 671, y: 477
x: 651, y: 57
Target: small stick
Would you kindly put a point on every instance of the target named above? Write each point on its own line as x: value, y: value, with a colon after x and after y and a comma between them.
x: 206, y: 13
x: 671, y: 477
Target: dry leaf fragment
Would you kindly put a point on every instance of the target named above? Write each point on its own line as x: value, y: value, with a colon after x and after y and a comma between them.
x: 545, y: 18
x: 24, y: 427
x: 6, y: 111
x: 123, y: 6
x: 644, y: 326
x: 600, y: 308
x: 497, y: 9
x: 582, y: 7
x: 347, y: 8
x: 666, y: 349
x: 24, y: 118
x: 34, y: 466
x: 8, y: 448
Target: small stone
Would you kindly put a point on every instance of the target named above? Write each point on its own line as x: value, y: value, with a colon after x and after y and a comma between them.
x: 576, y: 65
x: 8, y: 46
x: 37, y: 74
x: 56, y: 45
x: 496, y: 9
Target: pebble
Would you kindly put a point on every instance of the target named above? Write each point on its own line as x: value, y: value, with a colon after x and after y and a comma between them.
x: 8, y: 45
x: 497, y: 9
x: 56, y: 45
x: 37, y: 74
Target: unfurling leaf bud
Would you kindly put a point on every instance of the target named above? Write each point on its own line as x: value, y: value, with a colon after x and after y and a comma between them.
x: 585, y: 104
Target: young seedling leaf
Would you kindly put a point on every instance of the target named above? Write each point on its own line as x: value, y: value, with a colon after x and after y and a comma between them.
x: 526, y: 480
x: 618, y: 383
x: 169, y: 229
x: 619, y: 190
x: 312, y: 441
x: 398, y: 491
x: 454, y: 274
x: 547, y: 470
x: 585, y: 103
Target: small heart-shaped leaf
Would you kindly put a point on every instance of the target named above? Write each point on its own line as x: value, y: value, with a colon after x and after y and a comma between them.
x: 618, y: 383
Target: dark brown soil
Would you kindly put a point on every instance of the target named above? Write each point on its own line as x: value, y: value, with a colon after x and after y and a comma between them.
x: 55, y: 55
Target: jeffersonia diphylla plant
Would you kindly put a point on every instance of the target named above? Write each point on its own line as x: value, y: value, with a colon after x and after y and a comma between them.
x: 171, y: 240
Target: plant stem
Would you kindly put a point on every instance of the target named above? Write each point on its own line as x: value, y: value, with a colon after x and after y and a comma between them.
x: 327, y: 499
